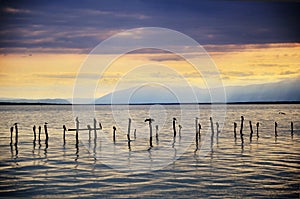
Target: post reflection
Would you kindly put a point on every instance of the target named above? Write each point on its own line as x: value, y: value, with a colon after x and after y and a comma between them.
x: 77, y: 149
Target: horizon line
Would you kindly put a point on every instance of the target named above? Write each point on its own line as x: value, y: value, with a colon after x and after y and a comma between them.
x: 155, y: 103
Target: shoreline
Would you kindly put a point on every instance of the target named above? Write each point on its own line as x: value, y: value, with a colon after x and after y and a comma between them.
x: 137, y: 104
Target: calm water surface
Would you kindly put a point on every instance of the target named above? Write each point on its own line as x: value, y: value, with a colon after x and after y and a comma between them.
x: 268, y: 167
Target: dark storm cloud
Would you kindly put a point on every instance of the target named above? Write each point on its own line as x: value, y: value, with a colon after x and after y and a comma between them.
x: 77, y: 25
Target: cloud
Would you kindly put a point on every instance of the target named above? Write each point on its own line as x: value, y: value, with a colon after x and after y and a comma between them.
x: 238, y: 73
x: 162, y: 58
x: 289, y: 72
x: 64, y: 25
x: 113, y: 14
x: 15, y: 10
x: 82, y: 75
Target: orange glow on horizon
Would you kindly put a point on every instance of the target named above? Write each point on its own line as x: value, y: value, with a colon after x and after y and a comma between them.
x: 53, y: 75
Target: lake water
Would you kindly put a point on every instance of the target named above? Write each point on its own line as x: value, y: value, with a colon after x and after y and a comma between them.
x: 222, y: 167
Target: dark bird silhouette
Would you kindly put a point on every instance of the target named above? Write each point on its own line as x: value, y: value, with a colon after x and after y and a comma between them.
x: 281, y: 113
x: 149, y: 120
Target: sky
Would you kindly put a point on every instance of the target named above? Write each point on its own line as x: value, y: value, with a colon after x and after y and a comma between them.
x: 43, y: 44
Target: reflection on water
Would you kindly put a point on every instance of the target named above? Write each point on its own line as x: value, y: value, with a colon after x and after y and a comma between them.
x: 267, y: 166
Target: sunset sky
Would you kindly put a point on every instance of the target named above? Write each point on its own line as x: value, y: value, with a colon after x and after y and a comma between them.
x: 44, y: 43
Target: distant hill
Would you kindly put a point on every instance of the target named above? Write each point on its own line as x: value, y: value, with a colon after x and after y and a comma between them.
x: 284, y: 91
x: 288, y: 90
x: 34, y: 101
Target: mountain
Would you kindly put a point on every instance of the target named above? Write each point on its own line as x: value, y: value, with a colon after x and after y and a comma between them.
x: 34, y: 101
x: 287, y: 90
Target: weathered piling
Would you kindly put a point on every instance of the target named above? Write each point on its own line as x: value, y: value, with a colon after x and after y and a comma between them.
x: 196, y: 139
x: 234, y: 130
x: 212, y: 134
x: 276, y: 129
x: 241, y: 129
x: 40, y: 130
x: 251, y: 131
x: 17, y: 132
x: 212, y: 128
x: 46, y: 132
x: 199, y: 130
x: 114, y: 133
x: 77, y: 129
x: 179, y: 131
x: 196, y: 125
x: 34, y: 133
x: 11, y: 134
x: 198, y: 135
x: 174, y: 126
x: 257, y: 125
x: 64, y: 133
x: 128, y: 131
x: 292, y: 128
x: 156, y: 133
x: 150, y: 127
x: 95, y: 128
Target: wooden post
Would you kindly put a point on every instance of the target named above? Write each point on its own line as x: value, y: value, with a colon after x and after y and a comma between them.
x: 64, y: 134
x: 197, y: 139
x: 34, y: 136
x: 241, y: 130
x: 114, y: 133
x: 95, y: 127
x: 77, y: 129
x: 257, y: 125
x: 156, y: 134
x: 174, y: 127
x: 251, y: 131
x: 16, y: 129
x: 292, y: 128
x: 11, y: 134
x: 179, y: 131
x: 150, y: 126
x: 40, y: 130
x: 234, y: 130
x: 128, y: 131
x: 34, y: 133
x: 212, y: 128
x: 276, y: 129
x: 46, y: 132
x: 196, y: 125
